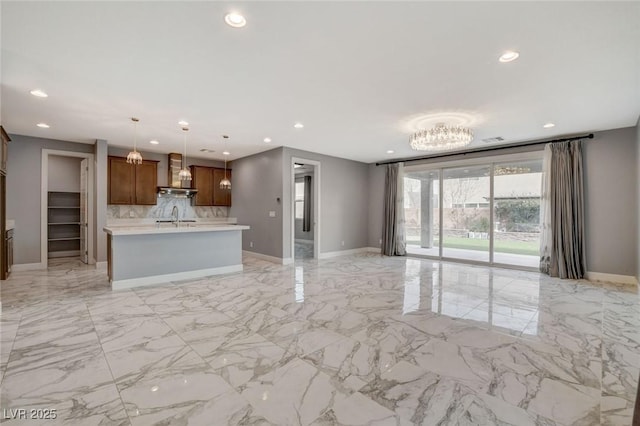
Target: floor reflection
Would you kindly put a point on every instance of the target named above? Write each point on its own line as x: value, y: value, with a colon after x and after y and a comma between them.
x: 299, y: 288
x: 473, y: 294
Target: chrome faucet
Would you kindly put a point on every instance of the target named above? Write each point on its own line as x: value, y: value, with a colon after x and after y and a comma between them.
x: 175, y: 216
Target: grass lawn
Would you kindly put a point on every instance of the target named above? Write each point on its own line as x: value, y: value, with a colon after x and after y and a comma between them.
x: 502, y: 246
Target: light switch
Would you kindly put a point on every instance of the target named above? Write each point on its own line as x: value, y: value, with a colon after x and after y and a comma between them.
x: 272, y: 214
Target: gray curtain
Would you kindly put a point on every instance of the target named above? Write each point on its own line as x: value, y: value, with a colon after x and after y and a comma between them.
x: 562, y: 243
x: 306, y: 216
x: 393, y: 232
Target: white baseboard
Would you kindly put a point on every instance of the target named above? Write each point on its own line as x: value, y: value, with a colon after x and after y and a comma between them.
x: 273, y: 259
x: 179, y: 276
x: 612, y: 278
x: 28, y: 267
x: 331, y: 254
x: 102, y: 266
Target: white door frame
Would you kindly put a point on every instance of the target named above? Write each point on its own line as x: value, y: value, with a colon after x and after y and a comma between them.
x: 316, y: 205
x: 44, y: 228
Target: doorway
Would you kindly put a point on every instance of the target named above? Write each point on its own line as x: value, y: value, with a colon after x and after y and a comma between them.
x: 67, y: 207
x: 305, y: 177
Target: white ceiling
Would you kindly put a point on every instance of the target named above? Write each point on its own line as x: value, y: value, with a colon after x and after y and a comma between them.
x: 359, y: 75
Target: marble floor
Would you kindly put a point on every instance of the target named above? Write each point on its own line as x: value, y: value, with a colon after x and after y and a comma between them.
x: 303, y: 250
x: 354, y: 340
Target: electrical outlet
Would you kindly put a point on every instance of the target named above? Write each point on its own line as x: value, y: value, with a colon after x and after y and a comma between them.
x: 342, y: 243
x: 380, y: 241
x: 251, y: 244
x: 132, y: 213
x: 272, y: 213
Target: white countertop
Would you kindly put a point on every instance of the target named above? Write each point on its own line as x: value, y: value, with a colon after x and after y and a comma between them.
x: 169, y: 228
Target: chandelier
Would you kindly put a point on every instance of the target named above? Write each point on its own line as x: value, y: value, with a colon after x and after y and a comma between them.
x: 134, y: 156
x: 184, y: 173
x: 440, y: 138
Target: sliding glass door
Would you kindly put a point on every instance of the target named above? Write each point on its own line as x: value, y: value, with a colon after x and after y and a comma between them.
x: 465, y: 200
x: 516, y: 212
x: 422, y: 212
x: 477, y: 212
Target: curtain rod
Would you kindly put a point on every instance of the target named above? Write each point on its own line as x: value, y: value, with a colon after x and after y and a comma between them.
x: 483, y: 149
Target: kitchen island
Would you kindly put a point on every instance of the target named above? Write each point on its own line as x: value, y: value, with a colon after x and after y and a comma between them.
x: 140, y: 255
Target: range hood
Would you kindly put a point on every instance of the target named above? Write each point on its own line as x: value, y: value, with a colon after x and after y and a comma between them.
x: 175, y: 190
x: 167, y: 191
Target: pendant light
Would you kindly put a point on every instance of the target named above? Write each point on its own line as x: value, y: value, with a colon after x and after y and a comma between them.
x: 184, y: 173
x: 225, y: 183
x: 134, y: 156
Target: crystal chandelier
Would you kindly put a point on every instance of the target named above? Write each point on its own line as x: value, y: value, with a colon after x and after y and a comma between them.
x: 441, y: 138
x: 225, y: 183
x: 134, y: 156
x: 184, y: 173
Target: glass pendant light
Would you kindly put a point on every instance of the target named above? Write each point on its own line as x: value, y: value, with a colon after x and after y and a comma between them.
x: 225, y: 183
x: 184, y: 173
x: 134, y: 156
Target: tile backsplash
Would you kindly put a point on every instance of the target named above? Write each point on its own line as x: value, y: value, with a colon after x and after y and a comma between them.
x: 163, y: 210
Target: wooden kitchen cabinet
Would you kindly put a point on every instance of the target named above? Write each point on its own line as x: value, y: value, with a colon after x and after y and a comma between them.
x: 221, y: 197
x: 207, y: 181
x: 146, y: 186
x: 202, y: 180
x: 132, y: 184
x: 4, y: 152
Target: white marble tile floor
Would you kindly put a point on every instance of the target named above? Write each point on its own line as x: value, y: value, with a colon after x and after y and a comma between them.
x: 354, y: 340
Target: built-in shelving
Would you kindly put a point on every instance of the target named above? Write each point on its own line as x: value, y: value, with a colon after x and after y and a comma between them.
x: 63, y: 224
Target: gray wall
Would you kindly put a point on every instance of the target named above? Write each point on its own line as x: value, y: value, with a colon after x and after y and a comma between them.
x: 64, y: 173
x: 376, y: 203
x: 611, y: 202
x: 100, y: 197
x: 163, y: 162
x: 24, y: 189
x: 344, y: 202
x: 299, y: 233
x: 256, y: 185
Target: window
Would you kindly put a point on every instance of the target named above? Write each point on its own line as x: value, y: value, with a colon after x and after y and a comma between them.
x: 299, y: 200
x: 466, y: 228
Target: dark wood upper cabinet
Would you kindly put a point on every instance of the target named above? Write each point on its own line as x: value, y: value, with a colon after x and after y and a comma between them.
x: 121, y: 181
x: 4, y: 152
x: 132, y: 184
x: 202, y: 180
x: 221, y: 197
x: 207, y: 181
x: 146, y: 182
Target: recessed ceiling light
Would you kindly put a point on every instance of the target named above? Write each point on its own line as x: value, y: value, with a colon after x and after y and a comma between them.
x: 225, y: 153
x: 154, y: 142
x: 39, y: 93
x: 267, y: 140
x: 390, y: 151
x: 298, y: 125
x: 235, y: 20
x: 43, y: 125
x: 509, y: 56
x: 548, y: 125
x: 183, y: 123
